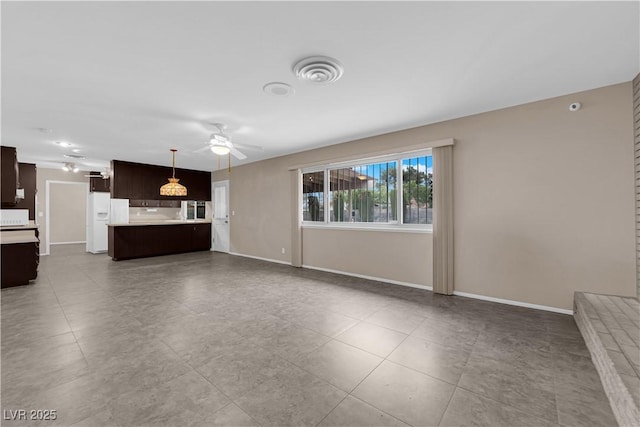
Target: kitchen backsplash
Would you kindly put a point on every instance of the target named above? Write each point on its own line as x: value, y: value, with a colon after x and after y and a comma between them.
x: 153, y: 214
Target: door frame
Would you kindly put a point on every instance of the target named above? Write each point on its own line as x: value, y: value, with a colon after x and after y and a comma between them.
x: 47, y: 222
x: 213, y: 213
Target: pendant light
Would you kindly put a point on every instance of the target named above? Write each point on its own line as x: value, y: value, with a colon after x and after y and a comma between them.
x: 173, y: 188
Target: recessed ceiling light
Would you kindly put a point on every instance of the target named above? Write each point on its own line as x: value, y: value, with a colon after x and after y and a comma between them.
x: 76, y: 150
x: 63, y: 144
x: 74, y: 156
x: 318, y: 69
x: 278, y: 89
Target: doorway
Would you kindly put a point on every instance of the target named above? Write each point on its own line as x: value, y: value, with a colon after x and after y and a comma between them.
x: 220, y: 235
x: 66, y: 213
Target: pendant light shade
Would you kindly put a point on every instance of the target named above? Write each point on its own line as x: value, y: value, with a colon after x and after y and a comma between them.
x: 173, y: 188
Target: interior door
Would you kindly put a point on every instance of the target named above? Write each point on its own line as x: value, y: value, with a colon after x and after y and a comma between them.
x: 220, y: 235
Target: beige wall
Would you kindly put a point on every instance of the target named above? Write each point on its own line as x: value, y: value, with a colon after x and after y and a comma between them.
x: 44, y: 175
x: 543, y: 201
x: 67, y: 212
x: 400, y: 257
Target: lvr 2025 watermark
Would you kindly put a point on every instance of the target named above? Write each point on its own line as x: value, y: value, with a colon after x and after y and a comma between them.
x: 29, y: 414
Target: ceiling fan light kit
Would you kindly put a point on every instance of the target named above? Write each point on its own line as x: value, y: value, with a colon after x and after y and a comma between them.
x: 220, y: 150
x: 220, y: 143
x: 173, y: 188
x: 70, y: 167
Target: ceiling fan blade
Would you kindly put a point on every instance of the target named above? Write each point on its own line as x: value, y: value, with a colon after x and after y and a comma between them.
x: 237, y: 154
x: 203, y: 149
x: 249, y: 147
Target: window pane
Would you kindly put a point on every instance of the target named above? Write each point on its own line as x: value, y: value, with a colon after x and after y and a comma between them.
x: 363, y: 193
x: 417, y: 190
x: 313, y: 196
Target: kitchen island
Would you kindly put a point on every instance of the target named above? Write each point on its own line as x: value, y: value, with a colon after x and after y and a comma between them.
x: 146, y: 239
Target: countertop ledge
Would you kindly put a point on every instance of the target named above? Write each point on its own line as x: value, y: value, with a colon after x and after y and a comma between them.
x: 18, y: 236
x: 165, y: 222
x: 18, y: 227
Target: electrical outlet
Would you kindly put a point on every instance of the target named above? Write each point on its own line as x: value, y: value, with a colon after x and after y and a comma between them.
x: 283, y: 250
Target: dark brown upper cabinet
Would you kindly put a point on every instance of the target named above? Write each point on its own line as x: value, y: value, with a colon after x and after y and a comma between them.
x: 139, y: 181
x: 99, y: 185
x: 28, y: 173
x: 10, y: 176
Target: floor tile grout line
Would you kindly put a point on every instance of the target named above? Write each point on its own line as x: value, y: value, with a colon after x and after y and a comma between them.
x: 231, y: 400
x: 446, y: 407
x: 64, y: 313
x: 332, y: 409
x: 555, y: 399
x: 371, y: 372
x: 355, y: 387
x: 484, y: 396
x: 381, y: 410
x: 347, y: 393
x: 362, y: 349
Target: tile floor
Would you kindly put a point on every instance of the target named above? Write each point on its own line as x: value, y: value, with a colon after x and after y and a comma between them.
x: 209, y: 339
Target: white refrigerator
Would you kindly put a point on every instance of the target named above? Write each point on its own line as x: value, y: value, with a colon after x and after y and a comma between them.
x: 97, y: 220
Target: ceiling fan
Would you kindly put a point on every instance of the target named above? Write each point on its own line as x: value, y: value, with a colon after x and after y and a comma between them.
x: 220, y: 143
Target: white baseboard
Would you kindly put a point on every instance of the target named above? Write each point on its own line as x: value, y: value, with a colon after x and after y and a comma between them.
x: 67, y: 243
x: 424, y: 287
x: 377, y: 279
x: 516, y: 303
x: 277, y: 261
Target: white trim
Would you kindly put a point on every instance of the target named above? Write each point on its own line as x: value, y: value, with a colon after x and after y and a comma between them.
x: 67, y: 243
x: 47, y: 233
x: 224, y: 183
x: 377, y: 279
x: 424, y: 287
x: 277, y: 261
x: 516, y: 303
x: 387, y: 158
x: 389, y: 151
x: 367, y: 227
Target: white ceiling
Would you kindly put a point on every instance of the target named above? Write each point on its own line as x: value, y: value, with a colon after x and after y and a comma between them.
x: 131, y: 80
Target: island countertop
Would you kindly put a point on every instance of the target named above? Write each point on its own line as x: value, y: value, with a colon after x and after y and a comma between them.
x: 162, y: 222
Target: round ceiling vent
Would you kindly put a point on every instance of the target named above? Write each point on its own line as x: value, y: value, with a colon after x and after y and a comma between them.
x: 318, y: 69
x: 278, y: 89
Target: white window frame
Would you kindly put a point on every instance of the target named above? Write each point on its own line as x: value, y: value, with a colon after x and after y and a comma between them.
x: 397, y: 226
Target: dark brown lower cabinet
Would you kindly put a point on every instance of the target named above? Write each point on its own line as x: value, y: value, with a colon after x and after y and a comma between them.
x: 140, y: 241
x: 19, y: 263
x: 201, y: 238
